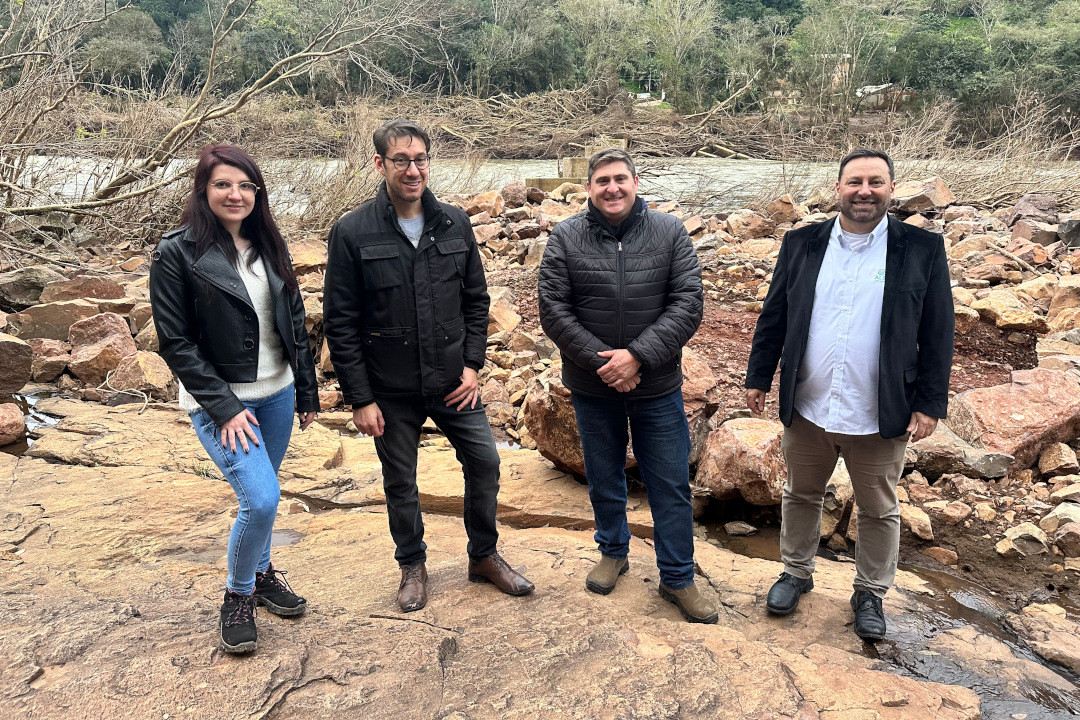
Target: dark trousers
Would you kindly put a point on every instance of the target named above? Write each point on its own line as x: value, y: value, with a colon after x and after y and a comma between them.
x: 661, y: 439
x: 470, y: 434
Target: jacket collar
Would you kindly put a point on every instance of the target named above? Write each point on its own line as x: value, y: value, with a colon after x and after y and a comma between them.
x: 215, y: 268
x: 433, y: 211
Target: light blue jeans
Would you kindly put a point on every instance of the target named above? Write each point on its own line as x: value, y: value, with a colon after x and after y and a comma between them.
x: 253, y: 476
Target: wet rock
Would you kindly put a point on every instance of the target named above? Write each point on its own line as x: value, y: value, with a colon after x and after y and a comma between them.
x: 16, y: 364
x: 943, y: 452
x: 50, y: 320
x: 49, y: 360
x: 1034, y: 206
x: 21, y: 288
x: 738, y: 528
x: 1048, y: 631
x: 917, y: 521
x: 1023, y: 540
x: 98, y: 344
x: 742, y: 458
x: 145, y: 372
x: 1037, y: 408
x: 84, y: 286
x: 1058, y: 459
x: 941, y: 555
x: 916, y: 196
x: 12, y: 424
x: 1063, y: 514
x: 1067, y: 539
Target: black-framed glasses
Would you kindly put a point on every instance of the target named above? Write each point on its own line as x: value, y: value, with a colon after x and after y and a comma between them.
x: 402, y: 164
x: 247, y: 189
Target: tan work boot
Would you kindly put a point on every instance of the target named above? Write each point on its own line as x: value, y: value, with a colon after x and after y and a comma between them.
x: 602, y: 578
x: 694, y: 606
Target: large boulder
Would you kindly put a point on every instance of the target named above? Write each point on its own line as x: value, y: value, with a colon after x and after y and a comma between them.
x: 514, y: 194
x: 12, y: 424
x: 50, y: 320
x: 784, y: 209
x: 491, y: 202
x: 916, y: 196
x: 98, y: 344
x: 1008, y: 312
x: 21, y: 288
x: 742, y: 458
x: 50, y: 358
x: 1037, y: 408
x: 16, y: 363
x: 1034, y: 206
x: 944, y: 453
x: 84, y: 286
x: 147, y: 373
x: 748, y: 225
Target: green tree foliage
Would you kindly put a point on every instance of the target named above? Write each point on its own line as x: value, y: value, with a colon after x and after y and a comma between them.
x: 128, y: 50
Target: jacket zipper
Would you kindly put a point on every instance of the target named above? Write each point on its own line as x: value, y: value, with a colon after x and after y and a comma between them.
x: 619, y: 279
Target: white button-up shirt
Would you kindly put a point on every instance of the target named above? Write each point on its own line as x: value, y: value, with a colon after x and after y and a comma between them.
x: 837, y: 385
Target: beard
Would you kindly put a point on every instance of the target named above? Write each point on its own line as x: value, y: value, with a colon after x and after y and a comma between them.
x: 863, y: 213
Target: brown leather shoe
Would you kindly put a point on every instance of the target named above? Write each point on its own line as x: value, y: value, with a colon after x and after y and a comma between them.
x: 493, y: 569
x: 412, y: 592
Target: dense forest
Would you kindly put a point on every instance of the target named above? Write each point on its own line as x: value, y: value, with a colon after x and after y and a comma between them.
x: 816, y: 55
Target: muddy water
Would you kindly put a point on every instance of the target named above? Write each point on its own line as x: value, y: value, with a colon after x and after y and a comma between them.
x: 910, y: 648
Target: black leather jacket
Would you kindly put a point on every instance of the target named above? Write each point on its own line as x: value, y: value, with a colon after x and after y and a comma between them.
x: 642, y: 293
x: 208, y: 331
x: 399, y: 320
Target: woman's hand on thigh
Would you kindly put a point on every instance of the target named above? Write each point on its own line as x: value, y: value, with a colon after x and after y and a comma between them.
x: 239, y: 428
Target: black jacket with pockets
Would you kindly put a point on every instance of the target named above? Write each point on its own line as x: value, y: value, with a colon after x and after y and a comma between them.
x: 401, y: 320
x: 642, y: 293
x: 208, y: 331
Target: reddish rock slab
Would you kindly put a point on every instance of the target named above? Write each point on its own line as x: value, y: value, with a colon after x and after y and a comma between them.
x: 50, y: 320
x: 12, y: 424
x: 84, y: 286
x: 16, y: 359
x: 98, y: 344
x: 145, y: 372
x: 742, y: 457
x: 50, y: 358
x: 1037, y: 408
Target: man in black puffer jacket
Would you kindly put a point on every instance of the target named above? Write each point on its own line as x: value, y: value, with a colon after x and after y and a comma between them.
x: 620, y: 294
x: 405, y: 312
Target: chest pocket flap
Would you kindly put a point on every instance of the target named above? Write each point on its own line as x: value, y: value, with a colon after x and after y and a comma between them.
x: 380, y: 266
x: 452, y: 255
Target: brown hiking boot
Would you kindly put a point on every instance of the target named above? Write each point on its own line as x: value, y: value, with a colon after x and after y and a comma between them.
x: 694, y: 606
x: 602, y: 578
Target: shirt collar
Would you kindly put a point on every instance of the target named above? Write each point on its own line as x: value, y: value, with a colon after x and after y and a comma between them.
x: 880, y: 230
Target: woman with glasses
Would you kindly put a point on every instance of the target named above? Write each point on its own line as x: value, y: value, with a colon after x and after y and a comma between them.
x: 230, y: 323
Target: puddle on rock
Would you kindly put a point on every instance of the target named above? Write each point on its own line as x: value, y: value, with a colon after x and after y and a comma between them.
x: 284, y: 537
x: 910, y: 648
x: 34, y: 419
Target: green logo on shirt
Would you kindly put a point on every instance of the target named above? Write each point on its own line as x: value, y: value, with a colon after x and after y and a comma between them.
x: 880, y: 276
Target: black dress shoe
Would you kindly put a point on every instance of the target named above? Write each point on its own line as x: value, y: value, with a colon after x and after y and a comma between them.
x: 785, y: 593
x: 869, y: 617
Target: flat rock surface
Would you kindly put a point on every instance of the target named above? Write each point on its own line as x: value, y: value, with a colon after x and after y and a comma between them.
x: 113, y: 567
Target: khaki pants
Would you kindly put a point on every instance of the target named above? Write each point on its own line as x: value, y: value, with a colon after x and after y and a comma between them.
x: 875, y: 465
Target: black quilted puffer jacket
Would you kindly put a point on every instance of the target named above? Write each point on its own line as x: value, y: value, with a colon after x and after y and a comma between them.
x: 642, y: 293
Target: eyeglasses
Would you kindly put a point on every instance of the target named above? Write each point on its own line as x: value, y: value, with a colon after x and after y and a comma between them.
x: 247, y: 189
x: 402, y: 164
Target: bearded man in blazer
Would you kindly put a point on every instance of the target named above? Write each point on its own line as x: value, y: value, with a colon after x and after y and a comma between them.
x: 859, y: 317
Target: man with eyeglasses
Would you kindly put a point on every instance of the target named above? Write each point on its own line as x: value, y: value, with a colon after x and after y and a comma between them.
x: 405, y: 317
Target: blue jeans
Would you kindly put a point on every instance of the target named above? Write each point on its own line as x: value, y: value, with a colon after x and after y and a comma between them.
x: 661, y: 439
x: 253, y: 476
x: 469, y: 432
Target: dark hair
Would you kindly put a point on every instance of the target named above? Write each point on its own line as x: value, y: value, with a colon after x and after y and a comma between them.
x: 397, y: 129
x: 258, y: 227
x: 865, y: 153
x: 610, y: 155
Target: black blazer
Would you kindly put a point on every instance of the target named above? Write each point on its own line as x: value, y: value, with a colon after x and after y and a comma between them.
x: 917, y: 323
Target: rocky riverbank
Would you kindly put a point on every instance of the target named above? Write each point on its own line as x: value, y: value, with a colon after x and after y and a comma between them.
x: 114, y: 531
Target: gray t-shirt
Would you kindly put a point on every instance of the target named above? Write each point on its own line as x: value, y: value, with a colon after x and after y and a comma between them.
x: 413, y: 228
